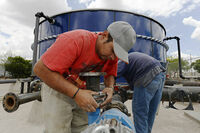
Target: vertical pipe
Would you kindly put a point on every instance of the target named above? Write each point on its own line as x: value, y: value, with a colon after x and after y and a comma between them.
x: 35, y: 44
x: 22, y: 87
x: 29, y: 87
x: 179, y: 57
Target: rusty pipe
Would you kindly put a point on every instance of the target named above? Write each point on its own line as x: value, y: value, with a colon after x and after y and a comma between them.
x: 12, y: 101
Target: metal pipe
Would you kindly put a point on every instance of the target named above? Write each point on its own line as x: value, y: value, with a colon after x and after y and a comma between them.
x: 181, y: 94
x: 183, y: 82
x: 92, y: 80
x: 35, y: 44
x: 49, y: 19
x: 29, y: 87
x: 175, y: 93
x: 22, y: 87
x: 15, y: 80
x: 11, y: 101
x: 36, y: 33
x: 179, y: 58
x: 8, y: 81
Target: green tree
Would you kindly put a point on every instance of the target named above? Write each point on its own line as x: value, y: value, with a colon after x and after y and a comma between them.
x: 196, y: 65
x: 18, y: 67
x: 173, y: 66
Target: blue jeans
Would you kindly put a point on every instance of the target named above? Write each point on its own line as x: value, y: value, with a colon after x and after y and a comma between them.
x: 145, y: 102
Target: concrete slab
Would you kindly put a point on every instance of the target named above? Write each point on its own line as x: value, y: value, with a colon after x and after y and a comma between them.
x: 28, y: 118
x: 193, y: 115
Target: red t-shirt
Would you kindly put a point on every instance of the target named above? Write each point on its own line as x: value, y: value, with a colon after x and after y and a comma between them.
x: 74, y: 52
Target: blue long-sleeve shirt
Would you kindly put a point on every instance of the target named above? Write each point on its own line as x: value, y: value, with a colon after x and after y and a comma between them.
x: 141, y: 69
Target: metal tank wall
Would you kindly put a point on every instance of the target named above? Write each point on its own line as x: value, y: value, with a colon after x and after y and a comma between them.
x: 97, y: 20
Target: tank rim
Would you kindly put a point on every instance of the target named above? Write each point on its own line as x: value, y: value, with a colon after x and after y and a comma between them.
x: 101, y: 9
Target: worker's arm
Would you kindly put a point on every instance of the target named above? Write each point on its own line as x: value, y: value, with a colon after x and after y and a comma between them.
x: 56, y: 81
x: 109, y: 83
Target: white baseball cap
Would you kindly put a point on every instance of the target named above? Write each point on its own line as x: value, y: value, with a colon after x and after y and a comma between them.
x: 124, y: 37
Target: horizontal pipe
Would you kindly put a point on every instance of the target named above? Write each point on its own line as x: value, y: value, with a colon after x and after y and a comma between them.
x: 8, y: 81
x: 181, y: 94
x: 12, y: 101
x: 15, y: 80
x: 184, y: 83
x: 169, y: 92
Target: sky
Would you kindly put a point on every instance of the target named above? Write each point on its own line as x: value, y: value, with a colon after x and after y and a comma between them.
x: 179, y: 17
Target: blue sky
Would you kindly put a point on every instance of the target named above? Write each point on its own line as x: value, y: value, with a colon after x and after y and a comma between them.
x: 179, y: 25
x: 179, y: 17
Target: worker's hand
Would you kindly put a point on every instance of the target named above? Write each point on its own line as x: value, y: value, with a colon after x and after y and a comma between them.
x: 109, y: 92
x: 85, y: 100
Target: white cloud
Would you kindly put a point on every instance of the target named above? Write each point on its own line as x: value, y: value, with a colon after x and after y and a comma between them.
x: 196, y: 33
x: 195, y: 23
x: 18, y: 38
x: 184, y: 56
x: 150, y: 7
x: 191, y: 21
x: 24, y: 10
x: 196, y: 1
x: 18, y: 21
x: 116, y: 4
x: 189, y: 8
x: 85, y: 1
x: 193, y: 4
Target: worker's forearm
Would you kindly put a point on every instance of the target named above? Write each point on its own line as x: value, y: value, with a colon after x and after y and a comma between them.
x: 109, y: 81
x: 54, y: 79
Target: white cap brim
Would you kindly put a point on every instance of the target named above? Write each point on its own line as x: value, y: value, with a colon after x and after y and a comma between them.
x: 120, y: 52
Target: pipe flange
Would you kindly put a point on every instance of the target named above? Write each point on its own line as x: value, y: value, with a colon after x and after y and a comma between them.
x: 10, y: 102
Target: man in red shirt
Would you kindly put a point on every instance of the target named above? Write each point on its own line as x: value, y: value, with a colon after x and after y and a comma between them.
x: 65, y: 104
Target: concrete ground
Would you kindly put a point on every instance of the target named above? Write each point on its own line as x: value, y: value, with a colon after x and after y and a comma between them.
x: 28, y: 118
x: 169, y: 120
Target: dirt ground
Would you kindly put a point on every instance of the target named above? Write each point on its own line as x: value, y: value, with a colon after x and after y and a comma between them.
x: 28, y: 118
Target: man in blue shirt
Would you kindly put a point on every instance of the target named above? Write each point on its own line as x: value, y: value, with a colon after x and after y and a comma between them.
x: 145, y: 75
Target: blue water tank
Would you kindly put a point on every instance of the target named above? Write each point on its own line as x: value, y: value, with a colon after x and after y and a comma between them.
x: 97, y: 20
